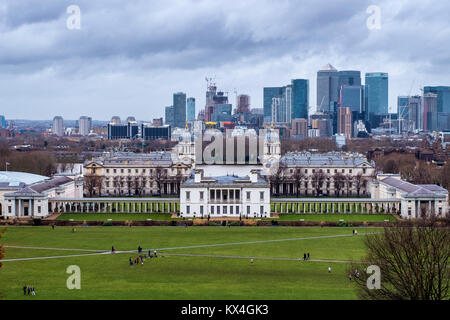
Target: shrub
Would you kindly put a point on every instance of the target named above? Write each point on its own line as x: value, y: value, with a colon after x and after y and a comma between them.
x: 107, y: 224
x: 234, y: 223
x: 37, y: 221
x: 274, y: 222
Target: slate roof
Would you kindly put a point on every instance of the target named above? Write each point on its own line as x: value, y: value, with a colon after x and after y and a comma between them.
x: 413, y: 189
x: 16, y: 179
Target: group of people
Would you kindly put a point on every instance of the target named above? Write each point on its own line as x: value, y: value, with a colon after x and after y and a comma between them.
x: 355, y: 232
x: 141, y: 258
x: 29, y: 290
x: 306, y: 257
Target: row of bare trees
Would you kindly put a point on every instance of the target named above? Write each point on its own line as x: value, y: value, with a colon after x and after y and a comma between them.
x: 318, y: 180
x: 133, y: 185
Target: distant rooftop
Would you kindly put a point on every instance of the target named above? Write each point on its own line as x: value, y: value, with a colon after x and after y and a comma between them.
x: 413, y: 189
x: 328, y: 67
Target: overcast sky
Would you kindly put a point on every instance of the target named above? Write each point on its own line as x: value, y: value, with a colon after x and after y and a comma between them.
x: 130, y: 56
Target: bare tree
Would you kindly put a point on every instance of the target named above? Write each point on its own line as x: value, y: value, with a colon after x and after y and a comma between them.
x: 413, y: 261
x: 93, y: 184
x: 298, y: 176
x: 277, y: 179
x: 159, y: 175
x: 359, y: 182
x: 339, y: 182
x: 318, y: 178
x: 348, y: 183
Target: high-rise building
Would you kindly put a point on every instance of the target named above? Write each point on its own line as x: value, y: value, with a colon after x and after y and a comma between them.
x: 279, y: 112
x: 443, y: 97
x: 327, y: 87
x: 415, y: 113
x: 300, y: 98
x: 84, y: 125
x: 158, y: 122
x: 299, y: 128
x: 115, y: 120
x: 169, y: 116
x: 430, y: 114
x: 377, y: 93
x: 222, y: 112
x: 190, y: 114
x: 402, y: 106
x: 322, y: 122
x: 243, y: 103
x: 345, y: 121
x: 179, y: 109
x: 3, y: 123
x: 352, y: 97
x: 117, y: 131
x: 349, y: 78
x: 269, y: 94
x: 58, y: 126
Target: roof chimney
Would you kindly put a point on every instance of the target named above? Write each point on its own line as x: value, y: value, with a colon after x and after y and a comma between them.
x: 198, y: 176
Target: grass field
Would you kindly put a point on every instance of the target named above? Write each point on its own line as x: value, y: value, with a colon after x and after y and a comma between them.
x: 109, y: 276
x: 115, y: 216
x: 337, y: 217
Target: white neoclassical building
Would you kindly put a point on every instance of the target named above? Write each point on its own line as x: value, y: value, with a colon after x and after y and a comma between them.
x: 26, y: 195
x: 225, y: 196
x: 416, y: 200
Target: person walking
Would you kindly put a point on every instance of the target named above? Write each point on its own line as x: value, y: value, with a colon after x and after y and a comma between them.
x: 150, y: 253
x: 139, y: 249
x: 329, y: 269
x: 251, y: 260
x: 309, y: 258
x: 24, y: 290
x: 155, y: 254
x: 131, y: 262
x: 28, y: 290
x: 33, y: 293
x: 304, y: 257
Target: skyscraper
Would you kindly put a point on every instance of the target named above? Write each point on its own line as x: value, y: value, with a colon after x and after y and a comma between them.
x: 84, y: 125
x: 443, y: 97
x: 377, y: 93
x: 269, y: 94
x: 279, y: 112
x: 327, y: 87
x: 300, y: 98
x: 352, y: 97
x: 243, y: 103
x: 430, y: 114
x: 179, y: 109
x: 349, y: 78
x: 345, y: 121
x: 2, y: 122
x: 58, y: 126
x: 190, y: 114
x: 169, y: 116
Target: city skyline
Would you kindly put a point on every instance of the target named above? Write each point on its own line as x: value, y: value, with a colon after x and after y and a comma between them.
x: 47, y: 69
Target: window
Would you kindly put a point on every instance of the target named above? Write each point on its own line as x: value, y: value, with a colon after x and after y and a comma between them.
x: 212, y: 209
x: 314, y: 171
x: 201, y: 209
x: 440, y: 211
x: 409, y: 211
x: 261, y: 210
x: 231, y: 192
x: 137, y: 171
x: 237, y: 209
x: 328, y: 170
x: 107, y: 170
x: 237, y: 195
x: 335, y: 170
x: 39, y: 209
x: 261, y: 195
x: 248, y: 209
x: 218, y: 194
x: 231, y: 209
x: 9, y: 209
x: 201, y: 195
x: 218, y: 210
x: 121, y: 170
x: 351, y: 170
x: 224, y: 209
x: 306, y: 170
x: 188, y: 209
x: 115, y: 170
x: 188, y: 195
x: 143, y: 170
x: 129, y: 170
x: 212, y: 194
x: 343, y: 170
x: 364, y: 170
x: 248, y: 195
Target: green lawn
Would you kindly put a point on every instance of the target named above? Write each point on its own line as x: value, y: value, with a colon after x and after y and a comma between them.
x: 180, y: 277
x: 336, y: 217
x: 115, y: 216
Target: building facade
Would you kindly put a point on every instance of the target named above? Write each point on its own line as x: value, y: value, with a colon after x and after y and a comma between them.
x: 227, y: 196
